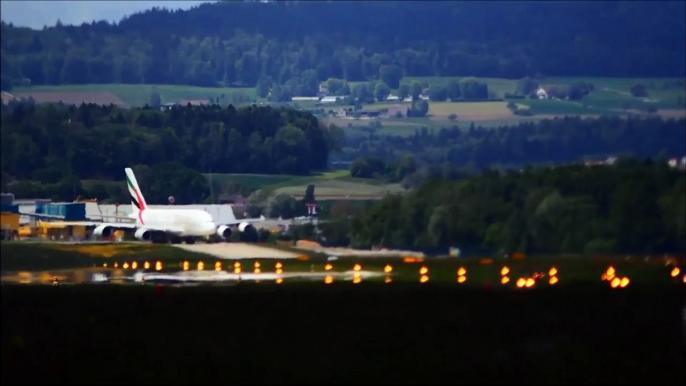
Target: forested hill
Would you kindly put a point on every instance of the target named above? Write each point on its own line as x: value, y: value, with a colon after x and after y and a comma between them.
x: 236, y: 43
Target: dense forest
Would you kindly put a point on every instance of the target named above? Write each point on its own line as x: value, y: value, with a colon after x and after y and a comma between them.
x: 239, y: 43
x: 633, y: 206
x: 50, y: 142
x: 554, y: 141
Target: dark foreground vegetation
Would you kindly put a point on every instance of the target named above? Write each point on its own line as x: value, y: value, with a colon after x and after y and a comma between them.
x: 252, y: 43
x: 341, y: 334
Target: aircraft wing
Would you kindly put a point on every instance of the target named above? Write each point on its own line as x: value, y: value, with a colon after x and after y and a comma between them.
x: 171, y: 229
x: 125, y: 219
x: 176, y: 230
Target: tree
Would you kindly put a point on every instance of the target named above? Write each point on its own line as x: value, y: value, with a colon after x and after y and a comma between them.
x: 638, y: 90
x: 155, y: 100
x: 453, y: 90
x: 526, y: 86
x: 264, y: 84
x: 381, y: 91
x: 391, y: 75
x: 415, y: 90
x: 403, y: 91
x: 438, y: 93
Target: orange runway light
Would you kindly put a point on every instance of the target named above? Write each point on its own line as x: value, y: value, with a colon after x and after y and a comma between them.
x: 218, y: 266
x: 675, y: 272
x: 134, y: 265
x: 257, y: 270
x: 387, y: 268
x: 357, y: 279
x: 126, y: 265
x: 279, y: 281
x: 553, y: 280
x: 328, y: 279
x: 624, y: 282
x: 461, y: 271
x: 279, y: 265
x: 504, y: 280
x: 423, y: 270
x: 530, y: 282
x: 257, y: 264
x: 387, y: 279
x: 104, y: 265
x: 461, y: 279
x: 357, y: 267
x: 615, y: 282
x: 610, y: 272
x: 504, y: 271
x: 684, y: 280
x: 116, y: 265
x: 328, y: 267
x: 279, y: 271
x: 423, y: 279
x: 158, y: 265
x: 186, y: 265
x: 237, y: 270
x: 201, y: 265
x: 146, y: 265
x: 553, y: 271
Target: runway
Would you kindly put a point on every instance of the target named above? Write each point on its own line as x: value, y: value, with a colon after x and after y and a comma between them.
x: 233, y: 251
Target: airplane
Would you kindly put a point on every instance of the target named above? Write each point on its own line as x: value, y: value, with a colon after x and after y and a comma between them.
x: 161, y: 225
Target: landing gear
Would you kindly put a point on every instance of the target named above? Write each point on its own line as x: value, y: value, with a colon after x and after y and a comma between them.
x: 158, y: 238
x: 190, y: 240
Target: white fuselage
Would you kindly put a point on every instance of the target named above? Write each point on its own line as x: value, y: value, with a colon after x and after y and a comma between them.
x: 191, y: 222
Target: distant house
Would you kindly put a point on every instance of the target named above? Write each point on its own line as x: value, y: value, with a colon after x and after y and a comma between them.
x: 304, y: 99
x: 541, y: 93
x: 344, y: 112
x: 329, y: 99
x: 323, y: 89
x: 393, y: 98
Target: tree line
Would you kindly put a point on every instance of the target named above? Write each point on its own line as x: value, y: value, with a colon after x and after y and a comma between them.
x: 245, y: 43
x: 50, y: 142
x: 549, y: 141
x: 633, y: 206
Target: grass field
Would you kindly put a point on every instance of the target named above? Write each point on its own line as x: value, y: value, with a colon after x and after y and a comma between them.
x: 137, y: 95
x: 333, y: 184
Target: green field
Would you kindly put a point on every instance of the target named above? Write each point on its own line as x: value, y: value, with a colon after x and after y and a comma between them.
x: 333, y: 184
x: 138, y: 95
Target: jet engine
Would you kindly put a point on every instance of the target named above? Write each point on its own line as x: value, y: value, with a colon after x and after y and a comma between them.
x: 103, y: 230
x: 224, y: 231
x: 142, y: 234
x: 245, y: 227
